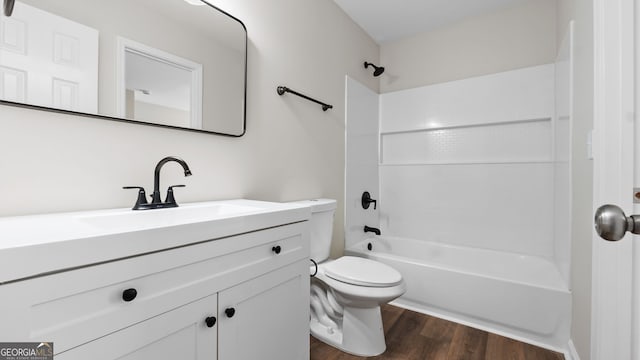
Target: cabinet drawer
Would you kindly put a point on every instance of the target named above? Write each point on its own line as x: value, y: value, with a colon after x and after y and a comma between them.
x: 74, y: 307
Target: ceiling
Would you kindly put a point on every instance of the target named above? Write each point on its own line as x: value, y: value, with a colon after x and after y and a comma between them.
x: 388, y: 20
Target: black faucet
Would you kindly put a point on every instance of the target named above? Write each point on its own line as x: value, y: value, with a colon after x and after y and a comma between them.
x: 155, y: 197
x: 156, y: 203
x: 371, y: 229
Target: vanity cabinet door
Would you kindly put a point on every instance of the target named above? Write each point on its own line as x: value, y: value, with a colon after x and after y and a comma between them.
x: 186, y: 333
x: 266, y: 318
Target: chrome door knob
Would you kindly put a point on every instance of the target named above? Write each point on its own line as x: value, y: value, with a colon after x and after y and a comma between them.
x: 611, y: 223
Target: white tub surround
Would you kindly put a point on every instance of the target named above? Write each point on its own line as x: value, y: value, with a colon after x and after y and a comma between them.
x: 361, y: 173
x: 473, y: 197
x: 478, y: 149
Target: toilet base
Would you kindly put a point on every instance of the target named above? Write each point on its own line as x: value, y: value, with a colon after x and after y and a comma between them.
x: 361, y: 333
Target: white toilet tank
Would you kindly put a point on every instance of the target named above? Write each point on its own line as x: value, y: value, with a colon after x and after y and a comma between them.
x: 321, y: 225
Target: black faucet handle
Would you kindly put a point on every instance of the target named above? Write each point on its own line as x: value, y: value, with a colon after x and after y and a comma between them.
x: 170, y: 198
x: 142, y: 196
x: 366, y: 200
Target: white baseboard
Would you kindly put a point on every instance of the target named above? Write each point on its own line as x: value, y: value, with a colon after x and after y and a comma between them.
x: 570, y: 353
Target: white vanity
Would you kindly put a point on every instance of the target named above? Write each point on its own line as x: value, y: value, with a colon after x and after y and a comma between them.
x: 222, y: 280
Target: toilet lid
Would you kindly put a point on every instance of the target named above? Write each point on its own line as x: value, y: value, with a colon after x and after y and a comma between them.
x: 363, y: 272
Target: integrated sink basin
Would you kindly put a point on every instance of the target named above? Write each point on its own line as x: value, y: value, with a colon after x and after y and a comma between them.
x: 188, y: 213
x: 39, y: 244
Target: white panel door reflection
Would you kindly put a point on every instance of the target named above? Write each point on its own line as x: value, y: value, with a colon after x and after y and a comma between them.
x: 47, y: 60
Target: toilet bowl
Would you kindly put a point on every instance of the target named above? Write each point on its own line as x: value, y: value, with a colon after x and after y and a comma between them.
x: 346, y: 293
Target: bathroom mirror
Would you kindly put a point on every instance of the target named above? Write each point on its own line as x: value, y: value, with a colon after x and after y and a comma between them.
x: 172, y: 63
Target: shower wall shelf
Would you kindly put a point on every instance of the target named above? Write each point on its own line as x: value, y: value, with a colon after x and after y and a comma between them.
x: 472, y: 162
x: 463, y: 126
x: 283, y: 89
x: 518, y: 141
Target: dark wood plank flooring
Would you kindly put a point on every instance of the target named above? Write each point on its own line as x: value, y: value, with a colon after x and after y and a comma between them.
x: 414, y: 336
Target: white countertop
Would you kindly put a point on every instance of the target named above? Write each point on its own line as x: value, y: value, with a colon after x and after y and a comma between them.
x: 37, y: 244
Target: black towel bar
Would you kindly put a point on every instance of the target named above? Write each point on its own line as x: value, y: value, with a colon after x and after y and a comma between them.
x: 283, y: 89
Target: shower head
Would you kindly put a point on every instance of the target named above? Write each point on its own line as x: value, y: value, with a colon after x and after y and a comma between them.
x: 378, y: 69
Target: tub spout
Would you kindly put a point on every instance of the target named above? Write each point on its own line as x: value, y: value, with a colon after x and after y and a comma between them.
x: 371, y: 229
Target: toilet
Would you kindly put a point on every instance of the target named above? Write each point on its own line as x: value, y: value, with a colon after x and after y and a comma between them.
x: 346, y: 293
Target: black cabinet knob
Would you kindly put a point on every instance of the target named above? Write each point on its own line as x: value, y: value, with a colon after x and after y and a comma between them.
x: 210, y: 321
x: 230, y: 312
x: 276, y: 249
x: 129, y: 294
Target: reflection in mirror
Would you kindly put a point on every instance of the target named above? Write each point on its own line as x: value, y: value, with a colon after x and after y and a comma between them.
x: 164, y: 62
x: 158, y: 87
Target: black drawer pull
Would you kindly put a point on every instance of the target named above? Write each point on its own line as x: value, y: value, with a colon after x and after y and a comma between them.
x: 129, y: 294
x: 210, y: 321
x: 276, y: 249
x: 230, y: 312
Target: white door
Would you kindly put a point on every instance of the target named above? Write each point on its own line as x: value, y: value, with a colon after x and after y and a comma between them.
x: 266, y: 318
x: 614, y: 327
x: 48, y: 60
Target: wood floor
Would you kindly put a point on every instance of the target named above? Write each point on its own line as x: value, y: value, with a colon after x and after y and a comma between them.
x: 415, y: 336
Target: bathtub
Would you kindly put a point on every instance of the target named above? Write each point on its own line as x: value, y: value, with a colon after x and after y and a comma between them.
x: 519, y: 296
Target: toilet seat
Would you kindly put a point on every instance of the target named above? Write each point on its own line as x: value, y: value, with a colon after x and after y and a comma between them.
x: 362, y: 272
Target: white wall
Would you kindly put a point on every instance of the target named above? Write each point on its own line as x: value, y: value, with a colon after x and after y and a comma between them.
x: 470, y: 163
x: 519, y: 36
x: 292, y: 149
